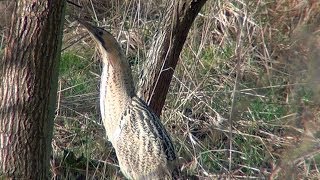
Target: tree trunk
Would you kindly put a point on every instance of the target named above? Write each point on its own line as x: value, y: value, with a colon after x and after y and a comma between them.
x: 28, y: 77
x: 164, y: 54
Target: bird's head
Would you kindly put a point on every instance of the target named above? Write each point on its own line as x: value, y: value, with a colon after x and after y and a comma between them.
x: 108, y: 46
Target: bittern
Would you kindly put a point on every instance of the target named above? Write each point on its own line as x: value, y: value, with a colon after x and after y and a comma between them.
x: 143, y: 146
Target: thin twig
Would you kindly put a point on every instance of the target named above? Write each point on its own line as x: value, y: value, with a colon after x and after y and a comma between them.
x: 77, y: 5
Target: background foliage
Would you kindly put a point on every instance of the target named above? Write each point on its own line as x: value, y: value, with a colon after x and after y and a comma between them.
x: 252, y: 65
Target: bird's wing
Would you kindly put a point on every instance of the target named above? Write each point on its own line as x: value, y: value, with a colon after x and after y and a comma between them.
x: 153, y: 122
x: 143, y: 146
x: 144, y: 130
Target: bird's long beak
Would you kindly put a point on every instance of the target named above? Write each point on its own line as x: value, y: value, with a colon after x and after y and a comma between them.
x: 88, y: 26
x: 94, y: 32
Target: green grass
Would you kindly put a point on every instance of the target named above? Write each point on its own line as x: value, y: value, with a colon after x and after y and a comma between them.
x: 70, y: 61
x: 75, y: 71
x: 252, y: 152
x: 266, y: 111
x: 212, y: 161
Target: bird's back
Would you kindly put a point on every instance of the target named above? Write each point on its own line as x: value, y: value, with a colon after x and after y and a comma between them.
x: 143, y: 147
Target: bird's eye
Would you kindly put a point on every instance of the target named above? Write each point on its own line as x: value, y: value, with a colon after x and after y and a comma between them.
x: 100, y: 32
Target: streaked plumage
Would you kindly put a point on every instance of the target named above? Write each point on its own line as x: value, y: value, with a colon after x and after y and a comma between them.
x: 142, y: 145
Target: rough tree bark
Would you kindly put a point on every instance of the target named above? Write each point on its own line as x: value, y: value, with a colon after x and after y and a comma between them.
x: 164, y: 54
x: 28, y: 86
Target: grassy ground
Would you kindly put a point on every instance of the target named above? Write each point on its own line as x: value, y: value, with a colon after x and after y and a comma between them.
x: 243, y: 102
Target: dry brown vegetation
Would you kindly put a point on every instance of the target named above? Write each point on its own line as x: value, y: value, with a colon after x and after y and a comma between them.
x: 247, y: 83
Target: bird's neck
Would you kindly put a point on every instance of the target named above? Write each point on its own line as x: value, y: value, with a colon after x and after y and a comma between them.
x: 120, y: 83
x: 117, y: 89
